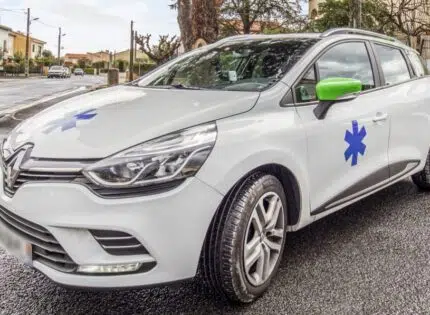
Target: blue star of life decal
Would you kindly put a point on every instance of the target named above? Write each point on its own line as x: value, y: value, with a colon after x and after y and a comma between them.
x: 355, y: 141
x: 70, y: 122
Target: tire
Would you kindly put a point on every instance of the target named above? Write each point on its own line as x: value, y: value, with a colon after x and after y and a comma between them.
x: 422, y: 179
x: 222, y: 263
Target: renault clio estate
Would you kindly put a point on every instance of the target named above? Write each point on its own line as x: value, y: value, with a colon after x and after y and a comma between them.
x: 203, y: 165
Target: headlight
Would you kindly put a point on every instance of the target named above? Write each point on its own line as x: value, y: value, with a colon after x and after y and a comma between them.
x: 174, y: 156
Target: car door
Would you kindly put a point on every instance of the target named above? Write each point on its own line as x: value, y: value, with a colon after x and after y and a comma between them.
x: 348, y: 149
x: 407, y: 93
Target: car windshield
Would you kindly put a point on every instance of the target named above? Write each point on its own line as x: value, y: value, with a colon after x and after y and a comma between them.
x: 241, y: 65
x: 56, y: 68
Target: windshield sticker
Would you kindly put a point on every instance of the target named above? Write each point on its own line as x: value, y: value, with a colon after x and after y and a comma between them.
x: 355, y: 141
x: 70, y: 122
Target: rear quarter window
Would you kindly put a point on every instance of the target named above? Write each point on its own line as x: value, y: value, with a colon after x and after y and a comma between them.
x: 418, y: 64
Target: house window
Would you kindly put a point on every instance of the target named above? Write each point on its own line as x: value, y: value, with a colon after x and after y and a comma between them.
x: 33, y: 48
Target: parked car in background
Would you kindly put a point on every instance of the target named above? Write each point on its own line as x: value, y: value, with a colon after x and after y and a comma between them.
x: 56, y: 72
x: 79, y: 71
x: 67, y: 73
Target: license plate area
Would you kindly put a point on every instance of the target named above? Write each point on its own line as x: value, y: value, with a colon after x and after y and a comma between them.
x: 16, y: 245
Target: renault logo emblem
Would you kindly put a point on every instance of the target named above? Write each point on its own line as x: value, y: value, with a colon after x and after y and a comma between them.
x: 12, y: 165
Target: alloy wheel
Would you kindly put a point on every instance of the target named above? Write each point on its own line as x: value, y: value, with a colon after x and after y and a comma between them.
x: 264, y: 239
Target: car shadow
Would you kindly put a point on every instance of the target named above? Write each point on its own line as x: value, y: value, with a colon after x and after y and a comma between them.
x: 307, y: 247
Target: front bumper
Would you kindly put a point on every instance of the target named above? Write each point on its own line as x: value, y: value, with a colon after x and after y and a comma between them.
x: 171, y: 226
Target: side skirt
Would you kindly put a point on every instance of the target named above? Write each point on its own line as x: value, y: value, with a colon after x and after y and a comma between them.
x: 367, y: 185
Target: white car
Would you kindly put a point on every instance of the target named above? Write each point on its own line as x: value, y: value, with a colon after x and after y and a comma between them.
x: 208, y: 161
x: 56, y: 72
x: 67, y: 73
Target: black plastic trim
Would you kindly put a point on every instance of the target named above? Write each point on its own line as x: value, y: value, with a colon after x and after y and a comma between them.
x: 376, y: 179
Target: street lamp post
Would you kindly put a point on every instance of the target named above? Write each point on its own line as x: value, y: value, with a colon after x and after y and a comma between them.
x: 59, y: 45
x: 27, y: 42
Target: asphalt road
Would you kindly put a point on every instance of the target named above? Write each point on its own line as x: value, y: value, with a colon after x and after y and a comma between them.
x: 15, y: 92
x: 370, y: 258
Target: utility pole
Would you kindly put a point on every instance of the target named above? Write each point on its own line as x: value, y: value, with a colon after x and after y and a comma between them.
x: 356, y: 13
x: 130, y: 71
x: 60, y: 35
x: 135, y: 46
x: 59, y: 46
x: 27, y: 44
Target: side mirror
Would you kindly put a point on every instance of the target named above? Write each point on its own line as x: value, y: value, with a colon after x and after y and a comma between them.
x: 333, y: 90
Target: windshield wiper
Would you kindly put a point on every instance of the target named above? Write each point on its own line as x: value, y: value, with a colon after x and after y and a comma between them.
x: 184, y: 87
x: 171, y: 86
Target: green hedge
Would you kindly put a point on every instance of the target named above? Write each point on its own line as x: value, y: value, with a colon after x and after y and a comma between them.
x: 20, y: 68
x: 89, y: 70
x: 144, y: 68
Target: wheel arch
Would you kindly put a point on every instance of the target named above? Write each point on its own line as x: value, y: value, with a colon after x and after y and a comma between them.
x: 294, y: 203
x: 289, y: 182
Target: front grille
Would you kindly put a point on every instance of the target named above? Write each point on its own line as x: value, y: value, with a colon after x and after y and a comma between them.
x: 46, y: 248
x: 30, y: 176
x: 27, y: 176
x: 118, y: 243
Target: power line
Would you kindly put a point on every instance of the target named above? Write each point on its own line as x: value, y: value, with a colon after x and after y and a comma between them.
x: 46, y: 24
x: 14, y: 10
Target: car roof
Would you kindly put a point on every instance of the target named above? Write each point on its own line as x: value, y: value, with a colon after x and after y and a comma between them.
x: 332, y: 33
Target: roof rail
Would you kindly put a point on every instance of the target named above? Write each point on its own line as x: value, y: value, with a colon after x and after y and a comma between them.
x: 346, y: 30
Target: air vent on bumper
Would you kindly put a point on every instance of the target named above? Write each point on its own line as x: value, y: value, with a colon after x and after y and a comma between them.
x: 118, y: 243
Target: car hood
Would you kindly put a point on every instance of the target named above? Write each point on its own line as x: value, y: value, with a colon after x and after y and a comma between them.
x: 101, y: 123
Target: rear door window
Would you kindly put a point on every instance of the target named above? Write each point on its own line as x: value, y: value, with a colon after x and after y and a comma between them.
x: 394, y: 66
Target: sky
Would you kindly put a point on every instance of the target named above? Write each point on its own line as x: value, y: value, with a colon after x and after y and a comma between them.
x: 89, y: 25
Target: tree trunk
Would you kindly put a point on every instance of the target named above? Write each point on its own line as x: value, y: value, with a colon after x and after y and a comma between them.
x: 205, y: 20
x: 185, y: 24
x: 246, y: 16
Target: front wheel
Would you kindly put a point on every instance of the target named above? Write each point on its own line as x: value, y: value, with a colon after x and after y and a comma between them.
x: 246, y: 240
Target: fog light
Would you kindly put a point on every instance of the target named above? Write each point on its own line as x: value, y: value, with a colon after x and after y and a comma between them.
x: 116, y: 268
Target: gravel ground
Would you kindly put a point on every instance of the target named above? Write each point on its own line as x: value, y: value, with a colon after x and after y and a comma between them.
x: 370, y: 258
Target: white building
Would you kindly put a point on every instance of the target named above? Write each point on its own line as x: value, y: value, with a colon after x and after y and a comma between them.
x: 6, y: 43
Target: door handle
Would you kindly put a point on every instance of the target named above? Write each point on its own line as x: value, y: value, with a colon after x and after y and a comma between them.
x: 380, y: 117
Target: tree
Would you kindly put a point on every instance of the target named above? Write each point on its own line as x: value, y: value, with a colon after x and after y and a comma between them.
x: 18, y: 57
x: 47, y: 54
x: 185, y: 22
x: 47, y: 58
x: 163, y: 51
x: 204, y: 21
x: 82, y: 63
x: 338, y: 13
x: 198, y: 20
x: 410, y: 17
x: 240, y: 16
x: 121, y: 65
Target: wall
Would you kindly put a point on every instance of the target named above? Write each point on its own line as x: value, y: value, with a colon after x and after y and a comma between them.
x: 38, y: 48
x: 313, y: 5
x: 19, y: 44
x: 125, y: 55
x: 4, y: 38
